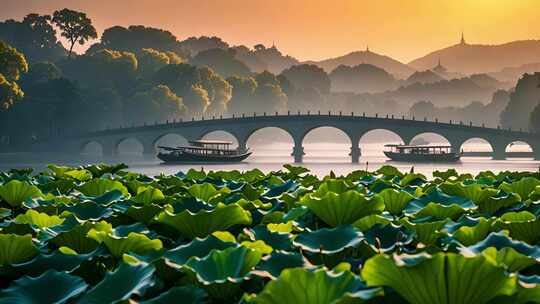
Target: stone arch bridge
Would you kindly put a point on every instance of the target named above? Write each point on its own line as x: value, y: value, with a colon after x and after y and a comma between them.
x: 297, y: 126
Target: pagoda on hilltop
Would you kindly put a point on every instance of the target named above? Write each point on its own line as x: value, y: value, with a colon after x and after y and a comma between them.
x: 440, y: 69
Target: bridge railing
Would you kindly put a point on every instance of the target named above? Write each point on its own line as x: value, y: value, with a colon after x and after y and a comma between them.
x: 179, y: 121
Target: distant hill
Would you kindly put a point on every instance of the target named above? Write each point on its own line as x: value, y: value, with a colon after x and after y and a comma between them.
x: 362, y: 78
x: 427, y: 76
x: 390, y: 65
x: 475, y: 58
x: 513, y: 74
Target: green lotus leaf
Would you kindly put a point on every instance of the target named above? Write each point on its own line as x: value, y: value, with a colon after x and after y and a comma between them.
x: 63, y: 172
x: 88, y: 210
x: 4, y: 212
x: 469, y: 235
x: 205, y: 222
x: 427, y: 231
x: 329, y: 241
x: 278, y: 240
x: 280, y: 227
x: 15, y: 192
x: 345, y: 208
x: 120, y: 285
x: 369, y: 221
x: 523, y: 226
x: 528, y: 292
x: 387, y: 237
x: 333, y: 185
x: 395, y: 200
x: 295, y: 170
x: 77, y: 237
x: 64, y: 259
x: 101, y: 169
x: 253, y: 204
x: 445, y: 175
x: 259, y: 245
x: 536, y: 194
x: 524, y: 187
x: 207, y: 192
x: 147, y: 195
x: 187, y: 294
x: 488, y: 199
x: 50, y: 287
x: 16, y: 248
x: 225, y: 236
x: 298, y: 285
x: 41, y: 220
x: 196, y: 248
x: 515, y: 255
x: 412, y: 179
x: 220, y: 266
x: 439, y: 205
x: 99, y: 186
x: 389, y: 171
x: 134, y: 242
x: 145, y: 213
x: 441, y: 278
x: 278, y: 261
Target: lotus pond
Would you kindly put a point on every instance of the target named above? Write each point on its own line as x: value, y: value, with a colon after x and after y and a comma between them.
x: 102, y: 234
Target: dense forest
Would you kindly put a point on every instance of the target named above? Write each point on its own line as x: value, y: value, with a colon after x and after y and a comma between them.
x: 138, y: 75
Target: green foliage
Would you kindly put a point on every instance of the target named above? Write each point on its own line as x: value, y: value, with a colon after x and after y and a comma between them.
x: 106, y: 235
x: 15, y: 192
x: 74, y: 26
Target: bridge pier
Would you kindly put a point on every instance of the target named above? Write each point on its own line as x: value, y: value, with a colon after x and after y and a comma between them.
x: 109, y: 149
x: 298, y: 153
x: 355, y: 154
x: 499, y: 152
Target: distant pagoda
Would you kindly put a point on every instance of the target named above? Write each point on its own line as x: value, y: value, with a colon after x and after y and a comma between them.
x: 440, y: 69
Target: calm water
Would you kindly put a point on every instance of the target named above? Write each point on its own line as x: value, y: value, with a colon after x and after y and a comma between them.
x: 320, y: 158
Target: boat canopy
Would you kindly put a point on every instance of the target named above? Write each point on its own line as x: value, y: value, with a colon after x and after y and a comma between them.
x: 410, y: 149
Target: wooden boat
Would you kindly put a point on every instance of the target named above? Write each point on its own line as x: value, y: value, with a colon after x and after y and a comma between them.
x: 406, y: 153
x: 202, y: 151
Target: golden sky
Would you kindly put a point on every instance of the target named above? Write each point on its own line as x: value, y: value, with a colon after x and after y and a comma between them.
x: 315, y: 29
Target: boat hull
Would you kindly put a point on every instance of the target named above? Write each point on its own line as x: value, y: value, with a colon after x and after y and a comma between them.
x: 441, y: 158
x: 185, y: 157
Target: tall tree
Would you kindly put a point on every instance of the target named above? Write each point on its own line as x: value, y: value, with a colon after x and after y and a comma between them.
x: 12, y: 65
x: 75, y: 26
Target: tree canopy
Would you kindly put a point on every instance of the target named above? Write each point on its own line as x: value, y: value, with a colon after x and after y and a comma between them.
x: 12, y: 65
x: 522, y: 102
x: 75, y: 26
x: 308, y: 76
x: 222, y: 61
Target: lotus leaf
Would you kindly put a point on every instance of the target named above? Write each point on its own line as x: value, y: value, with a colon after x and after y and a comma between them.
x: 188, y: 294
x: 15, y: 192
x: 50, y: 287
x: 147, y: 195
x: 196, y: 248
x: 204, y: 222
x: 345, y: 208
x: 276, y: 262
x: 523, y: 226
x: 41, y: 220
x: 133, y: 242
x: 395, y: 200
x: 524, y: 187
x: 16, y: 248
x: 329, y: 241
x: 443, y: 278
x: 298, y: 285
x: 120, y: 285
x: 99, y: 186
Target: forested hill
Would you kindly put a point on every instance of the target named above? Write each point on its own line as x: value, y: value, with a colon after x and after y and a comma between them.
x: 475, y: 58
x: 390, y: 65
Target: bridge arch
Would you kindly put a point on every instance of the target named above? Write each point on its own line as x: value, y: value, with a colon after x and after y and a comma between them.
x: 477, y: 147
x: 91, y: 148
x: 221, y: 135
x: 320, y: 150
x: 372, y: 141
x: 169, y: 139
x: 278, y: 134
x: 436, y: 138
x: 519, y: 149
x: 129, y: 146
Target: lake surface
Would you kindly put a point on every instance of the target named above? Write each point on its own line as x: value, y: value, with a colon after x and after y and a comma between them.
x: 320, y: 158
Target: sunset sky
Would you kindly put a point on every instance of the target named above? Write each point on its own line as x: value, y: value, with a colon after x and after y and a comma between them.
x: 315, y: 29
